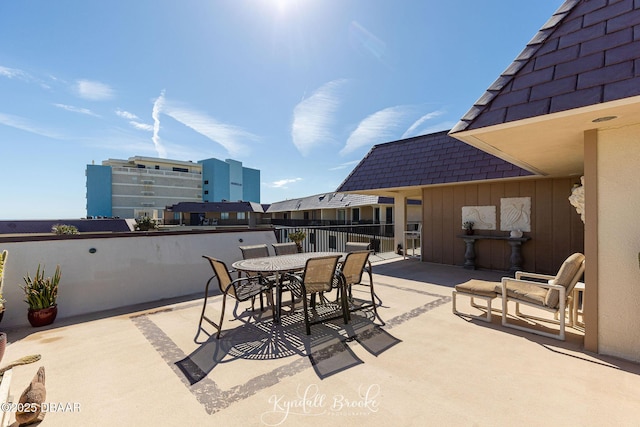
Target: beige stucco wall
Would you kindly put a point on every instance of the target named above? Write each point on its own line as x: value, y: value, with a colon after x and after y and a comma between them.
x: 619, y: 242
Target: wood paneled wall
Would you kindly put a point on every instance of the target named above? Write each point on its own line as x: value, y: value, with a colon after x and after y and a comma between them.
x: 556, y: 228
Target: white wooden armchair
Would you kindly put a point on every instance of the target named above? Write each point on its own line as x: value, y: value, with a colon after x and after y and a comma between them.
x: 549, y: 293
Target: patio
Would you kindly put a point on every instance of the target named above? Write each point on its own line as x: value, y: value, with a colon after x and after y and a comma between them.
x: 140, y: 366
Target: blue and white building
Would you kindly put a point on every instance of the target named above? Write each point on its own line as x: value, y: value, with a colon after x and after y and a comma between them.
x: 144, y: 186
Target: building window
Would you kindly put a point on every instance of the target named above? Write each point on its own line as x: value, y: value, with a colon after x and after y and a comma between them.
x: 157, y: 167
x: 355, y: 214
x: 206, y: 182
x: 224, y: 215
x: 241, y: 215
x: 206, y: 191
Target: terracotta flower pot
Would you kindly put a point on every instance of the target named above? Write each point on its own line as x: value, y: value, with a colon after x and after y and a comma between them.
x: 42, y: 317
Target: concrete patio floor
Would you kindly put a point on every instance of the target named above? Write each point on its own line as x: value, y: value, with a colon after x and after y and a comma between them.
x: 140, y: 366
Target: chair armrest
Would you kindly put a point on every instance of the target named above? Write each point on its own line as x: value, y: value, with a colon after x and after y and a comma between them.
x: 531, y: 282
x: 520, y: 274
x: 247, y: 287
x: 293, y: 276
x: 233, y: 283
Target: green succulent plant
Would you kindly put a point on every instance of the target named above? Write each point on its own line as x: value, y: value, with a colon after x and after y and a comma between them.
x: 40, y: 291
x: 64, y: 229
x: 146, y: 223
x: 297, y: 236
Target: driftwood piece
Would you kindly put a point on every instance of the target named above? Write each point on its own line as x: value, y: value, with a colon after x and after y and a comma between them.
x: 31, y: 400
x: 22, y: 361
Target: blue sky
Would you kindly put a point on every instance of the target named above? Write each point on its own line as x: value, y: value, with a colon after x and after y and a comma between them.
x: 300, y: 89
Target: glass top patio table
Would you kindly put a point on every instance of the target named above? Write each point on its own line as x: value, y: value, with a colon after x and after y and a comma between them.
x: 280, y: 264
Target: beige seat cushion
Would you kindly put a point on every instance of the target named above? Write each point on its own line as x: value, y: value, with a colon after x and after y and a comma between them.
x: 566, y: 277
x: 479, y: 287
x: 526, y: 292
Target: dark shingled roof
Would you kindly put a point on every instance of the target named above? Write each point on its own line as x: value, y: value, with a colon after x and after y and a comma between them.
x: 587, y: 53
x: 216, y: 207
x: 436, y: 158
x: 44, y: 226
x: 328, y: 201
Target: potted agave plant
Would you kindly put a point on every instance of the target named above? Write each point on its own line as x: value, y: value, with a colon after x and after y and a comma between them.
x: 298, y: 237
x: 41, y: 293
x: 146, y: 224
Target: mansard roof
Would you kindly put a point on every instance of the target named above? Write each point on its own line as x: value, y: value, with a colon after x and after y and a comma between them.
x: 587, y: 53
x: 430, y: 159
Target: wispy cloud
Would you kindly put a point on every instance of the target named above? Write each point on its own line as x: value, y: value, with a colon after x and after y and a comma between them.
x: 381, y: 126
x: 79, y: 110
x: 314, y: 116
x: 134, y: 121
x: 412, y: 131
x: 231, y: 137
x: 141, y: 126
x: 437, y: 127
x: 344, y: 165
x: 13, y: 73
x: 283, y: 182
x: 155, y: 114
x: 93, y: 91
x: 126, y: 115
x: 365, y: 42
x: 26, y: 125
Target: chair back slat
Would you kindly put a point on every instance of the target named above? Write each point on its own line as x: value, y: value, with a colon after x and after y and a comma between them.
x: 319, y: 272
x: 222, y: 274
x: 357, y: 246
x: 353, y: 266
x: 287, y: 248
x: 254, y: 251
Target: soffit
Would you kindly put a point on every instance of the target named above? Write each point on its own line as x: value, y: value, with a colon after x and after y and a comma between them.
x: 551, y: 145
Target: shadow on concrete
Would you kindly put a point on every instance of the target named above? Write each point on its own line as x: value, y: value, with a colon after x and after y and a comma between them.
x: 260, y: 339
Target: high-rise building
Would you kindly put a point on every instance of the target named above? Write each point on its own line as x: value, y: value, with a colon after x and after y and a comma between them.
x: 144, y: 186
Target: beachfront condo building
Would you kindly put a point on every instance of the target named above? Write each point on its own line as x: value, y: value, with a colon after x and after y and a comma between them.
x: 144, y: 186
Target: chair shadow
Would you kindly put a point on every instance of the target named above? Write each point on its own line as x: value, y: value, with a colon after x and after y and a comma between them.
x: 260, y: 339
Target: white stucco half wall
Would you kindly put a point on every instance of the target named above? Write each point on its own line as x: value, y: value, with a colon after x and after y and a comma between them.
x: 105, y: 273
x: 619, y: 242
